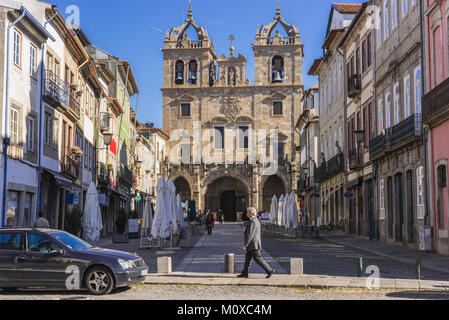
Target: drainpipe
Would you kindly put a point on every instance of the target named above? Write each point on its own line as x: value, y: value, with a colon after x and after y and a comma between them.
x: 6, y: 138
x: 41, y: 113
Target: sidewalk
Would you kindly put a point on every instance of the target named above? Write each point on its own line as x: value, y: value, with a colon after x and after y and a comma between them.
x: 431, y: 261
x: 208, y: 254
x: 295, y: 281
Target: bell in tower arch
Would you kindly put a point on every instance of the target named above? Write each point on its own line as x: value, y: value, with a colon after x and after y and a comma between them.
x: 278, y: 70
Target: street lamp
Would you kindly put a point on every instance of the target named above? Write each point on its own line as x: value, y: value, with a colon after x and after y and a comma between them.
x: 138, y: 164
x: 107, y: 139
x: 360, y: 136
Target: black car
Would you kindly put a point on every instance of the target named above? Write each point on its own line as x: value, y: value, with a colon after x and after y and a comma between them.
x: 31, y: 258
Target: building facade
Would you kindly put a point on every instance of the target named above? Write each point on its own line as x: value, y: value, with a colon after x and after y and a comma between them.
x: 224, y: 128
x: 436, y: 117
x: 397, y: 150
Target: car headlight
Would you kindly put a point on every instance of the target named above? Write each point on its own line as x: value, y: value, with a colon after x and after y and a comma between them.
x: 126, y: 264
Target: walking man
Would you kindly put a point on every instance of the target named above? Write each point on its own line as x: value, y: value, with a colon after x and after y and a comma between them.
x: 253, y: 245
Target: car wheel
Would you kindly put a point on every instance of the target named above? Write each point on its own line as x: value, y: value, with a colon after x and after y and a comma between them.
x: 99, y: 281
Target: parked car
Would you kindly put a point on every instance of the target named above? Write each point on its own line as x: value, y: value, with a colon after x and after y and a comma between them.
x: 55, y: 259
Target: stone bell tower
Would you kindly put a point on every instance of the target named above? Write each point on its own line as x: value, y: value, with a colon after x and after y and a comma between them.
x: 278, y: 57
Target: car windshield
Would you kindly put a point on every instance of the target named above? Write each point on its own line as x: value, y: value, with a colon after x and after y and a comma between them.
x: 70, y: 241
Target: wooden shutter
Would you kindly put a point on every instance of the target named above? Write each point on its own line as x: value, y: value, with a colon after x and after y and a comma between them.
x: 420, y: 192
x: 382, y: 199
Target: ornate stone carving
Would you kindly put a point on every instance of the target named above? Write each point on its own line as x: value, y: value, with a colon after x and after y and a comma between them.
x: 230, y: 107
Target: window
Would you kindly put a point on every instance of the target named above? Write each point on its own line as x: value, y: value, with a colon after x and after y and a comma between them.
x: 12, y: 242
x: 386, y: 19
x: 418, y: 94
x: 30, y: 134
x: 41, y: 244
x: 396, y: 104
x: 219, y: 137
x: 382, y: 199
x: 17, y: 54
x: 185, y: 109
x: 56, y: 132
x: 14, y: 126
x: 404, y: 7
x: 179, y: 72
x: 381, y: 116
x: 368, y: 50
x: 387, y: 111
x: 193, y: 72
x: 364, y: 56
x: 407, y: 96
x: 420, y: 192
x: 48, y: 129
x: 277, y: 108
x: 340, y: 77
x: 395, y: 17
x: 33, y: 61
x: 277, y: 70
x: 379, y: 29
x: 441, y: 195
x: 244, y: 137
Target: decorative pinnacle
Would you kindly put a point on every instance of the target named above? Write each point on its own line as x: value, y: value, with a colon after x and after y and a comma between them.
x: 278, y: 10
x: 190, y: 15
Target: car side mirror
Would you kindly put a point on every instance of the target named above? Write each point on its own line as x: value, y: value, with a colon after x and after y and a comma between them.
x: 57, y: 252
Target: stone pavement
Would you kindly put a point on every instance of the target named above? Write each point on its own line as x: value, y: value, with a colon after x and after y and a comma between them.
x: 208, y: 254
x: 429, y: 261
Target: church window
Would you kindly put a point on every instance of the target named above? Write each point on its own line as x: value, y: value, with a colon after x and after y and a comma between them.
x: 185, y: 109
x: 277, y: 108
x: 193, y: 72
x: 278, y: 70
x: 179, y: 72
x: 219, y: 138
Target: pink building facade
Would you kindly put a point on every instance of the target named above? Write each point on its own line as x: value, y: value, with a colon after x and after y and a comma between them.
x: 436, y: 116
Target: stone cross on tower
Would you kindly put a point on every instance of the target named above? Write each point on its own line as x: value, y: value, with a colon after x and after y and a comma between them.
x: 231, y: 49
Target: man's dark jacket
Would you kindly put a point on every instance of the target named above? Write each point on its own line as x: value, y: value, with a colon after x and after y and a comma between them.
x: 253, y: 240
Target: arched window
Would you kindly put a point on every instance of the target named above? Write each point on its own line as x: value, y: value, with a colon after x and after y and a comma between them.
x: 231, y: 77
x: 277, y: 70
x: 418, y: 95
x: 179, y: 72
x: 396, y: 104
x: 193, y: 72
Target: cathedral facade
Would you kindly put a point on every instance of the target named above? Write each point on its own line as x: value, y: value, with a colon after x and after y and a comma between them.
x: 232, y: 143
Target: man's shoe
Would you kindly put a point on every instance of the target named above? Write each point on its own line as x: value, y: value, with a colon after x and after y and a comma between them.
x: 270, y: 274
x: 243, y: 275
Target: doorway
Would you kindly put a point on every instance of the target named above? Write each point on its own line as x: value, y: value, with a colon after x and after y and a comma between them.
x: 228, y: 206
x: 399, y: 196
x: 410, y: 215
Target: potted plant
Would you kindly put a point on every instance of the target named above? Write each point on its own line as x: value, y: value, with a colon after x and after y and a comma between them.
x: 73, y: 223
x: 133, y: 224
x: 121, y: 234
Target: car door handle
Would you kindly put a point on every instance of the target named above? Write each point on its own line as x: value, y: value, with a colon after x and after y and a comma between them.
x: 26, y: 259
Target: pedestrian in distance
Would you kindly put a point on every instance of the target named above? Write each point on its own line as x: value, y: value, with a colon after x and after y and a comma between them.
x: 220, y: 216
x: 253, y: 246
x: 210, y: 222
x: 41, y: 222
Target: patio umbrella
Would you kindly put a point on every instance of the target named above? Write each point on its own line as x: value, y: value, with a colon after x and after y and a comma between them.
x: 180, y: 211
x: 147, y: 215
x: 285, y: 209
x: 274, y: 209
x: 167, y: 218
x: 173, y: 221
x: 92, y: 221
x: 280, y: 210
x: 294, y: 211
x: 156, y: 230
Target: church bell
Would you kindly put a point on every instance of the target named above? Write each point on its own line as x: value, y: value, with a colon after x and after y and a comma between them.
x: 277, y: 77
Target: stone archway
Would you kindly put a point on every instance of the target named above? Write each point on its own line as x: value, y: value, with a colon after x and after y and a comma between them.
x: 273, y: 185
x: 183, y: 188
x: 229, y: 194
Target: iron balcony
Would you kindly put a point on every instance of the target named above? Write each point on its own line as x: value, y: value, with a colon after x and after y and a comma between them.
x: 354, y: 85
x: 436, y: 102
x: 331, y: 168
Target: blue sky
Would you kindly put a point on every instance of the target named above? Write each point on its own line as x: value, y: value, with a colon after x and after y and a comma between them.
x: 134, y: 30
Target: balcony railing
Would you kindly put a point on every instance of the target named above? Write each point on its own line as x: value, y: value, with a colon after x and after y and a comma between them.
x: 75, y: 104
x: 354, y: 85
x: 104, y: 121
x: 376, y: 146
x: 126, y: 175
x: 409, y: 128
x: 281, y: 41
x: 355, y: 159
x: 330, y: 169
x: 436, y: 101
x: 57, y: 92
x: 71, y: 164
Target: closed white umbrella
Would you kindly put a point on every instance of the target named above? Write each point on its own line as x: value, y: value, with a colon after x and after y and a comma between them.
x: 167, y: 219
x: 274, y: 209
x: 285, y: 209
x: 294, y: 211
x: 156, y: 230
x: 174, y: 208
x: 147, y: 215
x: 280, y: 210
x: 92, y: 221
x: 180, y: 211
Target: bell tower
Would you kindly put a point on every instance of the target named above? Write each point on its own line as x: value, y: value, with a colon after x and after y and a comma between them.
x: 278, y: 54
x: 188, y: 63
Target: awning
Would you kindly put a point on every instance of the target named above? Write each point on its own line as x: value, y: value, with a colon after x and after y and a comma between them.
x: 60, y: 179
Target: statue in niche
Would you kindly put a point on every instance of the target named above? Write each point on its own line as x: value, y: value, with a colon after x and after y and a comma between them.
x: 277, y: 39
x: 231, y: 77
x: 212, y: 74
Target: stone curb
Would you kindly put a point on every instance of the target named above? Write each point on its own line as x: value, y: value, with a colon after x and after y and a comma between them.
x: 298, y: 282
